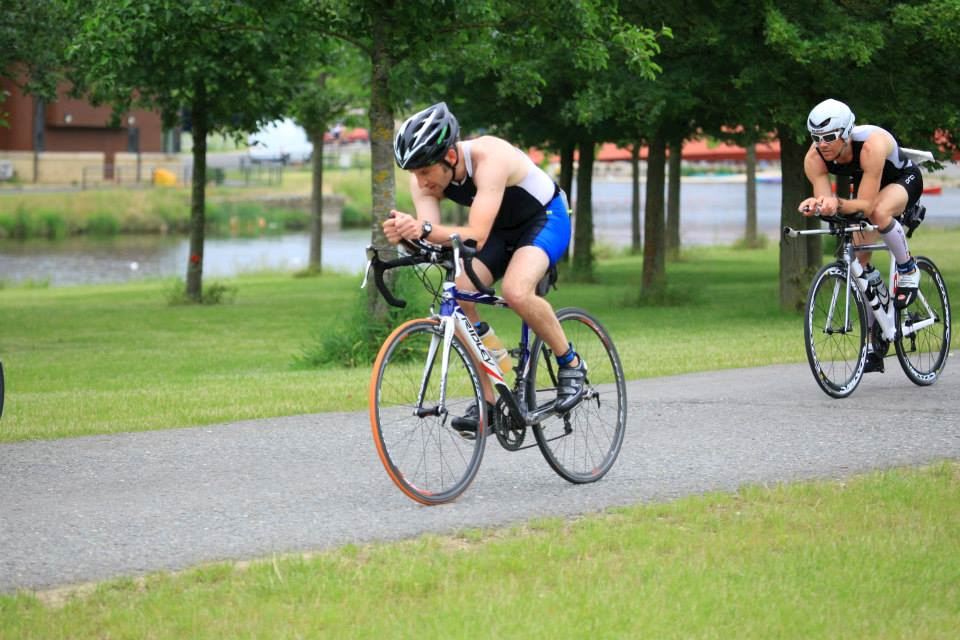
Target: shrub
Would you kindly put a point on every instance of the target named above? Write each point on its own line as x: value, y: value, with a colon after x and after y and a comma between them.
x: 356, y: 340
x: 213, y: 293
x: 102, y: 225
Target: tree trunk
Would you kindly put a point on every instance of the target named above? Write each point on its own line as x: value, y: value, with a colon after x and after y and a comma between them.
x: 383, y: 184
x: 799, y: 257
x: 198, y: 221
x: 653, y: 245
x: 566, y: 182
x: 750, y: 233
x: 673, y: 199
x: 635, y: 240
x: 566, y: 169
x: 583, y: 219
x: 316, y: 203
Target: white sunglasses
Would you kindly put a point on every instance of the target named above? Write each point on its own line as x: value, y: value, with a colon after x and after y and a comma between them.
x: 826, y: 137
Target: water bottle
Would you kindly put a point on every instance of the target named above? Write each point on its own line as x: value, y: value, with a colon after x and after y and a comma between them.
x: 876, y: 289
x: 494, y: 345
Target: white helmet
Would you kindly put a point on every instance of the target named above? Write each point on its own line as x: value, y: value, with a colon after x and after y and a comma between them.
x: 830, y: 115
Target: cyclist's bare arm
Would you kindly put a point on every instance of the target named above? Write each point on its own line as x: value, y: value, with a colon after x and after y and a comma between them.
x: 816, y: 171
x: 872, y: 156
x: 496, y: 164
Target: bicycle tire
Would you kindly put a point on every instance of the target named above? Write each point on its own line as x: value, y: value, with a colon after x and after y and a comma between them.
x: 923, y: 355
x: 581, y: 446
x: 426, y: 458
x: 836, y: 357
x: 1, y: 390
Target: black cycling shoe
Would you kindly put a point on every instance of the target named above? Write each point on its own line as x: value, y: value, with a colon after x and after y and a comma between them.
x: 571, y: 383
x: 466, y: 425
x: 874, y: 363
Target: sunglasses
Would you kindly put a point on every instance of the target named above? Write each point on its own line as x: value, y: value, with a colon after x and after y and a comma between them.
x: 827, y: 137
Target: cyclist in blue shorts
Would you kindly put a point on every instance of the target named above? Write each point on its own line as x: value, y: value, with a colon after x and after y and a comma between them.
x: 518, y: 217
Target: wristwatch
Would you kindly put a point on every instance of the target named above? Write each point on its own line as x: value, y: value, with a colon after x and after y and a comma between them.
x: 427, y: 228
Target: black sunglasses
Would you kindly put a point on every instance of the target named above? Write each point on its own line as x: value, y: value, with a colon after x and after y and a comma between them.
x: 827, y: 137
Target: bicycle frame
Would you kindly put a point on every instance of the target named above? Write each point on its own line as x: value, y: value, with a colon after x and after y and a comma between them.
x: 453, y: 320
x: 886, y: 317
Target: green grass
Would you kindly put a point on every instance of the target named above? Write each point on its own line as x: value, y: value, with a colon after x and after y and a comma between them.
x: 876, y: 556
x: 106, y: 359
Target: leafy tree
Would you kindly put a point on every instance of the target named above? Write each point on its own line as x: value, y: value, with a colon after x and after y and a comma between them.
x: 854, y: 51
x: 234, y: 64
x: 33, y: 34
x: 562, y: 98
x: 332, y: 89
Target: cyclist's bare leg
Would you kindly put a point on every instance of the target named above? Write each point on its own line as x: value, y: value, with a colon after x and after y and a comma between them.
x: 519, y: 287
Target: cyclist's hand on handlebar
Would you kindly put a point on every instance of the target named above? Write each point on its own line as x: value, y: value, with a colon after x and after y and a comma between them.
x: 401, y: 226
x: 819, y: 206
x: 404, y: 227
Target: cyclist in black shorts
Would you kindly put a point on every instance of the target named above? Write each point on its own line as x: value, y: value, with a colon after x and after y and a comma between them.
x: 518, y: 217
x: 886, y: 183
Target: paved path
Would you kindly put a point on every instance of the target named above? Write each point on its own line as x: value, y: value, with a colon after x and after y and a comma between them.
x: 92, y: 508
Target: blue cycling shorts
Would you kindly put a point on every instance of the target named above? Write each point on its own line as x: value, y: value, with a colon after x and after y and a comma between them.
x: 549, y: 231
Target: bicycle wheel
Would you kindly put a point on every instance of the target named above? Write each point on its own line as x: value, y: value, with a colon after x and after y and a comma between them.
x: 580, y: 446
x: 835, y: 330
x: 1, y: 389
x: 424, y: 456
x: 924, y: 354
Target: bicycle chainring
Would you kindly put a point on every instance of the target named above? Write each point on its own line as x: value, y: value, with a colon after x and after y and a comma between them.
x: 509, y: 434
x: 880, y: 345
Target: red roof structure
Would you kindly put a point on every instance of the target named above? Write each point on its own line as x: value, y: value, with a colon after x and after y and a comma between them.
x: 693, y: 151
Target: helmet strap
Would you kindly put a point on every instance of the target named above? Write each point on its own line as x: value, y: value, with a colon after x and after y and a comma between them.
x: 453, y: 167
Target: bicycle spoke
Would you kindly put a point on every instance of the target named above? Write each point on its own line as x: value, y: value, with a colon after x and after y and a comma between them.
x: 424, y: 456
x: 582, y: 445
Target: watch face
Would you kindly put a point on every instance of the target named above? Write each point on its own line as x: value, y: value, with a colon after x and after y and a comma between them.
x: 427, y: 228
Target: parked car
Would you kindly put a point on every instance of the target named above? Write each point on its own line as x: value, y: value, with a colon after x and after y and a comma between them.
x: 282, y: 141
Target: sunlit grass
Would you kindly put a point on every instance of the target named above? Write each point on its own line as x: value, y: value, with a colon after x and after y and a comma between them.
x: 876, y: 556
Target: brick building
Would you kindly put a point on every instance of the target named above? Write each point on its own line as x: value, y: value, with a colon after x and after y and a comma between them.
x: 69, y: 141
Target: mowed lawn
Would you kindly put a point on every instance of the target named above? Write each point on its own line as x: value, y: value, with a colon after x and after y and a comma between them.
x: 105, y: 359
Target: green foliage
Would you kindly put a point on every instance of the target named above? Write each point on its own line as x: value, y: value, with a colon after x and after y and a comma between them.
x: 253, y: 218
x: 213, y: 293
x: 102, y: 225
x: 355, y: 341
x: 239, y: 62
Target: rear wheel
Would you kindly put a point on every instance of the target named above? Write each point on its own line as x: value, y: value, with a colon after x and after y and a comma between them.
x: 429, y: 460
x: 582, y: 445
x: 923, y: 353
x: 835, y: 330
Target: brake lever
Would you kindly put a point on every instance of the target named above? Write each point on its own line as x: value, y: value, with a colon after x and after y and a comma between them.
x: 455, y: 243
x: 371, y: 255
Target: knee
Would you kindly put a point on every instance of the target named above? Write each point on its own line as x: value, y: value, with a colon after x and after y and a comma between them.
x: 516, y: 296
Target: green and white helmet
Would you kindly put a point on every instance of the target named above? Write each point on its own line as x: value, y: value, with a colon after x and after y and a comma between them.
x: 423, y: 139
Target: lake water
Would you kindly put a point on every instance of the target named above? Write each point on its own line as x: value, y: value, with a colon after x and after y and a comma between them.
x: 711, y: 213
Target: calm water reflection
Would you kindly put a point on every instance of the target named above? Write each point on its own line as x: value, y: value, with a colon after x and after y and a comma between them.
x: 121, y: 259
x: 711, y: 213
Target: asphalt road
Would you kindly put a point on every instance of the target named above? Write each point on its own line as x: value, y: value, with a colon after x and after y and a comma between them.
x: 87, y: 509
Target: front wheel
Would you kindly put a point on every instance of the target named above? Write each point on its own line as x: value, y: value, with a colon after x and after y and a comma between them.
x: 429, y: 460
x: 582, y: 445
x: 835, y: 331
x: 923, y: 353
